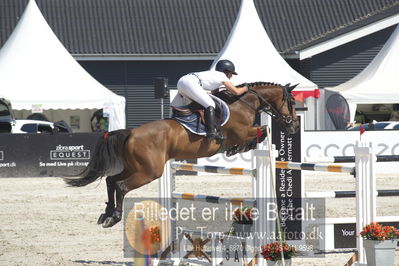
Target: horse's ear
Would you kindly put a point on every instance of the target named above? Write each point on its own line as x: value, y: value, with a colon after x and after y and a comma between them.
x: 291, y: 88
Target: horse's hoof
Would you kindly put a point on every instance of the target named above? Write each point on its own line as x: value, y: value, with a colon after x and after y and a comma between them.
x: 109, y: 211
x: 233, y: 150
x: 112, y: 220
x: 102, y: 218
x: 109, y: 222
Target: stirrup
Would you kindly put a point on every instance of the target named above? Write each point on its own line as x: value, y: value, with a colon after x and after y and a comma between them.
x: 218, y: 136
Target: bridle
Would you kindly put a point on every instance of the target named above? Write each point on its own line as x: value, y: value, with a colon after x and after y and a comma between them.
x: 266, y: 107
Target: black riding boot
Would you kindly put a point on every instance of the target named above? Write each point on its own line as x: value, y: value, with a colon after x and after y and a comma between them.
x: 210, y: 124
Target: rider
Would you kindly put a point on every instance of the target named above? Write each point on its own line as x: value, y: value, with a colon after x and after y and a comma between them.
x: 193, y: 86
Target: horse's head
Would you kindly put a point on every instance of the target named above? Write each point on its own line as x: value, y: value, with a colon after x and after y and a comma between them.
x: 277, y: 101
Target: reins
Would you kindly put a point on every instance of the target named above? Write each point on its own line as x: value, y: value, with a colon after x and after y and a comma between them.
x: 265, y: 106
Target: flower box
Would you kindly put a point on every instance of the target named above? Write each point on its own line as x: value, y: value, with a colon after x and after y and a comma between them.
x: 379, y: 244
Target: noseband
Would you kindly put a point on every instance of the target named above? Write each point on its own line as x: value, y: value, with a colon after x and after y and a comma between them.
x: 265, y: 106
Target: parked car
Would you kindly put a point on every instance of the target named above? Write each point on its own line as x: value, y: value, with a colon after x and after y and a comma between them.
x: 378, y: 126
x: 8, y: 123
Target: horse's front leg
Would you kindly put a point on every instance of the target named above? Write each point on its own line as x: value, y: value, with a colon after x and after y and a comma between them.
x: 255, y: 135
x: 258, y: 134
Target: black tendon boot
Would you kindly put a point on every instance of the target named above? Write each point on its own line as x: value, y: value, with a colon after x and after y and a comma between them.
x: 210, y: 124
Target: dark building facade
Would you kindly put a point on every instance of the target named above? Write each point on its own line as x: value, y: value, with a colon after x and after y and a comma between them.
x: 135, y: 79
x: 126, y: 44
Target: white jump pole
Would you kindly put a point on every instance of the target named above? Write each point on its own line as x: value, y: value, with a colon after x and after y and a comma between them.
x: 263, y: 160
x: 166, y: 187
x: 365, y: 193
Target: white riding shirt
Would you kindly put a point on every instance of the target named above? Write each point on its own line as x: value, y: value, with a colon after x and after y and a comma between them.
x: 192, y: 87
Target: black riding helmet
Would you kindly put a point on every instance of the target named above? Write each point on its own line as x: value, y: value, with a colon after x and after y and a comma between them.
x: 225, y: 65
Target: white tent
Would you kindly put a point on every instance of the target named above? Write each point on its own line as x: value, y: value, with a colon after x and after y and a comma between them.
x: 36, y: 71
x: 256, y: 59
x: 254, y: 55
x: 378, y: 82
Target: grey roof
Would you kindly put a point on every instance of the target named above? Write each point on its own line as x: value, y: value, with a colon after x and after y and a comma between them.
x: 185, y: 27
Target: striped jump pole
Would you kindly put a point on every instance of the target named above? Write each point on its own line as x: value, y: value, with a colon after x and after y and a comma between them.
x: 351, y: 194
x: 315, y: 167
x: 212, y: 169
x: 279, y: 164
x: 261, y: 189
x: 213, y: 199
x: 349, y: 159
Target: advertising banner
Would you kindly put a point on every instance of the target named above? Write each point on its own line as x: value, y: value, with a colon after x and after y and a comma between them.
x: 35, y: 155
x: 288, y: 182
x: 345, y: 234
x: 342, y: 143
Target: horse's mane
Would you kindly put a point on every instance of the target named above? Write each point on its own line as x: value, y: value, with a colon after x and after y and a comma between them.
x: 259, y: 83
x: 229, y: 98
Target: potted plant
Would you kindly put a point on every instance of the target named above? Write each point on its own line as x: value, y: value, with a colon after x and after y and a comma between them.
x: 379, y: 243
x: 272, y: 253
x: 151, y: 240
x: 242, y: 221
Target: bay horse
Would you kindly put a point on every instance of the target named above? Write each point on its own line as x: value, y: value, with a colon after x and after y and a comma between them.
x: 131, y: 158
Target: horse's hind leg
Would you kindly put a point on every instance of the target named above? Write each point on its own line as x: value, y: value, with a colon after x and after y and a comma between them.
x: 111, y: 186
x: 116, y: 214
x: 136, y: 180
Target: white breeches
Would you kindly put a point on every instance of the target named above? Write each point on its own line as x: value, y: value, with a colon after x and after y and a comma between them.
x: 189, y: 86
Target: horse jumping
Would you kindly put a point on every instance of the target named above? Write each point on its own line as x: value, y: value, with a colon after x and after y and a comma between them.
x: 131, y: 158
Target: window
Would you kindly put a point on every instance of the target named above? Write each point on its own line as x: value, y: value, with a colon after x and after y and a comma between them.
x: 4, y: 111
x: 45, y: 129
x: 5, y: 127
x: 29, y: 128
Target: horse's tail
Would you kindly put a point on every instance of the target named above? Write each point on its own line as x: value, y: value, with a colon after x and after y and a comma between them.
x: 106, y: 159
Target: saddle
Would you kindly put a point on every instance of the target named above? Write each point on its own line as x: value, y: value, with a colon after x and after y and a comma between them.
x: 195, y: 107
x: 191, y: 116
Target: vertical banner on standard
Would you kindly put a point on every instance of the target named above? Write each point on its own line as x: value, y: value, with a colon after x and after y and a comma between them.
x: 288, y: 182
